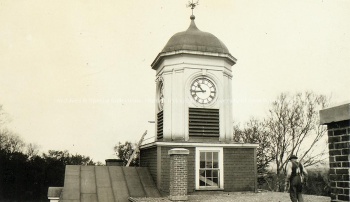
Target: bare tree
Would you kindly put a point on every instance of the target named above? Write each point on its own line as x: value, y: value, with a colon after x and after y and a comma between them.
x: 4, y: 118
x: 2, y: 114
x: 293, y: 123
x: 65, y: 158
x: 255, y: 132
x: 10, y: 142
x: 32, y: 150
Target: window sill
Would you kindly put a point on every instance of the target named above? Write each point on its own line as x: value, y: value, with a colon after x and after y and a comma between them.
x: 209, y: 189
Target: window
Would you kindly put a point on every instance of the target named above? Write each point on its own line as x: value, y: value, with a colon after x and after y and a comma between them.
x: 209, y: 168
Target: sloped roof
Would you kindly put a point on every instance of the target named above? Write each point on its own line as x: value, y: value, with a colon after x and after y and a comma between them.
x: 106, y: 183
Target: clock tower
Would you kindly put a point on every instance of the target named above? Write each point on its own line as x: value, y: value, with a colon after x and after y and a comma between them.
x: 194, y: 112
x: 194, y: 78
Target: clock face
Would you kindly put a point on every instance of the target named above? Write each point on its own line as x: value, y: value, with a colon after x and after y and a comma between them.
x: 203, y: 90
x: 161, y: 96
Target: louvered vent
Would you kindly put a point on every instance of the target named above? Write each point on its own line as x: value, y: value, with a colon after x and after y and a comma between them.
x: 160, y: 125
x: 204, y: 122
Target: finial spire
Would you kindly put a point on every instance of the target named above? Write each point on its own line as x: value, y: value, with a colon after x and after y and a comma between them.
x: 192, y: 5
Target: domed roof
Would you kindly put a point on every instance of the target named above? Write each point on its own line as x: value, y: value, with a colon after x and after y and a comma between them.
x: 195, y: 40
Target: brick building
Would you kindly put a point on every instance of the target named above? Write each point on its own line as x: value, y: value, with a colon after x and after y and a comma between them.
x: 337, y: 120
x: 194, y: 112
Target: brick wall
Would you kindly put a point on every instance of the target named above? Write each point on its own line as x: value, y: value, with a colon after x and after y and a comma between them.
x: 178, y: 174
x: 165, y: 173
x: 148, y: 158
x: 339, y: 150
x: 239, y: 169
x: 191, y: 168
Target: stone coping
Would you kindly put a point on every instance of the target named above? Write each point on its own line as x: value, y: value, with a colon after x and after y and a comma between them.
x: 54, y: 192
x: 178, y: 151
x: 335, y: 114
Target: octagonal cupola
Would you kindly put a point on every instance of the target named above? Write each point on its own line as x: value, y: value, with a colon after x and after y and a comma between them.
x: 193, y: 88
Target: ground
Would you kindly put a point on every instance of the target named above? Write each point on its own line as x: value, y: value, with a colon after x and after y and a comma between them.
x: 242, y: 197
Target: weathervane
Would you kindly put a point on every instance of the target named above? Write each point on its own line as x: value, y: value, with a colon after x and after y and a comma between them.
x: 192, y: 5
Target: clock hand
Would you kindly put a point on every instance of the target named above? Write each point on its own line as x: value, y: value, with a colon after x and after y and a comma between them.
x: 199, y: 85
x: 203, y: 91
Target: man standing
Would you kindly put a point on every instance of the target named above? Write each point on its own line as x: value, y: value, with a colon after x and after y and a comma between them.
x: 295, y: 178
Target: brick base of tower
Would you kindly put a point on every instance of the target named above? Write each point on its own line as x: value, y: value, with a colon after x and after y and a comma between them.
x: 239, y: 165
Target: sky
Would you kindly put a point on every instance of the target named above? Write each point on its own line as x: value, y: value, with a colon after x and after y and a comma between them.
x: 76, y: 75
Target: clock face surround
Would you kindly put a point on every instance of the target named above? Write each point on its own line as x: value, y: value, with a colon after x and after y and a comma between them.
x: 203, y: 90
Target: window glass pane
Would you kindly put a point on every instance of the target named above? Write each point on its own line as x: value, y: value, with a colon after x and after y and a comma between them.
x: 208, y: 173
x: 202, y: 160
x: 212, y: 181
x: 215, y: 159
x: 201, y: 182
x: 215, y: 180
x: 209, y: 181
x: 215, y: 173
x: 209, y: 160
x: 201, y: 178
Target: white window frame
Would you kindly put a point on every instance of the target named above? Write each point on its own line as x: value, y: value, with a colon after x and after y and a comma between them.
x: 221, y: 166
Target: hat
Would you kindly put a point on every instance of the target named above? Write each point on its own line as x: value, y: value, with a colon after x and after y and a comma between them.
x: 293, y: 157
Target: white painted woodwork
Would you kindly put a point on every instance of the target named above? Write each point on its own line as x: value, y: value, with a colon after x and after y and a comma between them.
x: 178, y: 72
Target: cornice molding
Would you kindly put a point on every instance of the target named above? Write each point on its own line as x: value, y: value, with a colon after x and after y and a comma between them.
x: 161, y: 55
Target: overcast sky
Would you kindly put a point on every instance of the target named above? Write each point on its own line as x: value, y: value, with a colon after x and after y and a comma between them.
x: 76, y: 75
